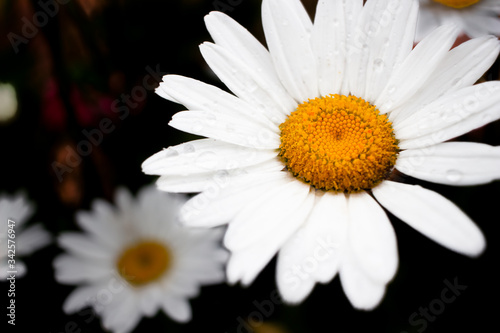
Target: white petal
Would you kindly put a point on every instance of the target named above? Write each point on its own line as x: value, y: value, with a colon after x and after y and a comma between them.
x: 190, y: 183
x: 363, y: 292
x: 329, y: 45
x: 491, y: 24
x: 416, y: 68
x: 180, y: 285
x: 196, y: 95
x: 381, y: 41
x: 81, y: 297
x: 477, y: 24
x: 71, y: 270
x: 124, y: 199
x: 426, y: 23
x: 461, y: 67
x: 217, y: 207
x: 229, y: 128
x: 433, y: 215
x: 227, y: 33
x: 177, y: 308
x: 288, y: 28
x: 452, y: 163
x: 204, y: 155
x: 265, y: 97
x: 122, y: 314
x: 212, y: 181
x: 4, y: 268
x: 450, y: 116
x: 265, y: 214
x: 313, y: 252
x: 150, y: 299
x: 31, y: 239
x: 372, y: 238
x: 101, y: 223
x: 245, y: 264
x: 83, y: 245
x: 17, y: 208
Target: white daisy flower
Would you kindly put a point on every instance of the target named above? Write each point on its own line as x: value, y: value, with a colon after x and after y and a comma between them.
x: 15, y: 211
x: 298, y: 160
x: 475, y: 18
x: 137, y: 259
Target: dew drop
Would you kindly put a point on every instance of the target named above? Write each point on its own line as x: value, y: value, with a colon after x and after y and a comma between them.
x: 197, y: 127
x: 391, y: 89
x: 211, y: 118
x: 170, y: 152
x: 487, y: 118
x: 453, y: 175
x: 378, y: 65
x: 456, y: 82
x: 189, y: 148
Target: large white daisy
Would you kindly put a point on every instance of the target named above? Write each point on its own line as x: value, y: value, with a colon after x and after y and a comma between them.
x: 137, y: 258
x: 475, y: 18
x: 15, y: 211
x: 298, y: 161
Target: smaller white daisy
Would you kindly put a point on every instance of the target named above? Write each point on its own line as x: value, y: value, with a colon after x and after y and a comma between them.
x: 137, y: 258
x: 15, y: 210
x: 475, y: 18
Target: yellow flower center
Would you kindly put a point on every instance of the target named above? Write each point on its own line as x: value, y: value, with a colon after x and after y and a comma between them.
x: 457, y: 3
x: 338, y: 143
x: 144, y: 262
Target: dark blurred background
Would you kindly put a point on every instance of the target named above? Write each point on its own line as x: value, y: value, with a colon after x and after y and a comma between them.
x: 88, y: 61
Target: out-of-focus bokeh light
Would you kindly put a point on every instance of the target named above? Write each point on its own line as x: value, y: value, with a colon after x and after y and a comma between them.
x: 8, y: 102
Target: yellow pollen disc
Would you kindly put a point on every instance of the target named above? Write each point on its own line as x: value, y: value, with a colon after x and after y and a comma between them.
x: 144, y: 262
x: 338, y: 143
x: 457, y: 3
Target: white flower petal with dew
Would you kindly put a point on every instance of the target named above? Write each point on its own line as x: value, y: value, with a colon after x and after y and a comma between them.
x: 427, y: 93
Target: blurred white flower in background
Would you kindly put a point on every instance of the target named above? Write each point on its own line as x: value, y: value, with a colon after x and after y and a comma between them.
x: 135, y: 259
x: 8, y: 102
x: 475, y: 18
x: 26, y: 239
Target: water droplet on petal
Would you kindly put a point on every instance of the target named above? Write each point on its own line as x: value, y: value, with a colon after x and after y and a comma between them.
x: 453, y: 175
x: 487, y: 118
x: 378, y: 65
x: 197, y: 127
x: 189, y: 148
x: 170, y: 152
x: 456, y: 82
